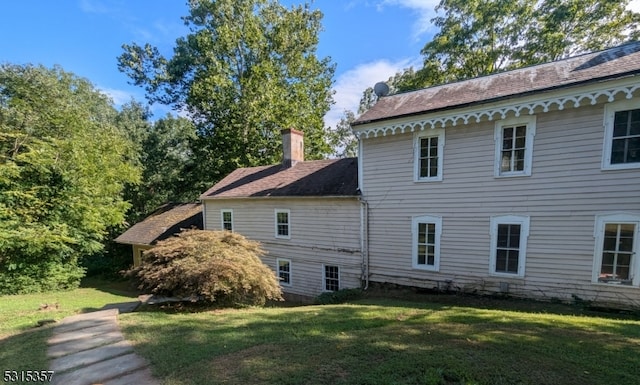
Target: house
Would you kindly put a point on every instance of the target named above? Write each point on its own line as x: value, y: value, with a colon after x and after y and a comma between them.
x: 306, y: 215
x: 166, y: 221
x: 524, y: 182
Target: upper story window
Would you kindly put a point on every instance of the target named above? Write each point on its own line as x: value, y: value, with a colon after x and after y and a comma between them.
x: 426, y: 242
x: 622, y: 135
x: 429, y: 149
x: 514, y: 146
x: 226, y: 217
x: 615, y: 260
x: 282, y: 223
x: 509, y: 235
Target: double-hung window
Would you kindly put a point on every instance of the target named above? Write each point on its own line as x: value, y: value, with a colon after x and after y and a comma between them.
x: 615, y: 260
x: 429, y: 151
x: 331, y: 278
x: 426, y: 242
x: 226, y: 217
x: 282, y: 223
x: 284, y: 271
x: 509, y: 234
x: 622, y: 135
x: 514, y: 146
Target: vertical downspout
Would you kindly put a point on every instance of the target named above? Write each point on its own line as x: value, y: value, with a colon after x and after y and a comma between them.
x: 364, y: 220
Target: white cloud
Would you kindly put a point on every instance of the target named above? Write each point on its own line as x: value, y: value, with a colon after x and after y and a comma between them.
x: 425, y: 10
x: 350, y: 85
x: 634, y: 5
x: 93, y: 6
x: 119, y: 97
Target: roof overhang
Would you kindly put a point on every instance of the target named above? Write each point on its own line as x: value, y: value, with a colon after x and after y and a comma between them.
x: 488, y: 110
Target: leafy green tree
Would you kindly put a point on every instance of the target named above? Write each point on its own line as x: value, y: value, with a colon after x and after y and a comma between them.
x: 246, y: 70
x: 63, y: 164
x: 167, y: 159
x: 478, y: 37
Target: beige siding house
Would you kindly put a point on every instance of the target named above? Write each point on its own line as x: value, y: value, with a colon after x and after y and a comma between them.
x: 525, y: 182
x: 306, y: 214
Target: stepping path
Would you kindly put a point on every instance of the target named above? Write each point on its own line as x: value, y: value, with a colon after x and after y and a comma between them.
x: 88, y: 349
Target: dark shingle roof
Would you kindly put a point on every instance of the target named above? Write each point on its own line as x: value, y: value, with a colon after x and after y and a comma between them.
x: 166, y: 221
x: 615, y: 62
x: 332, y: 177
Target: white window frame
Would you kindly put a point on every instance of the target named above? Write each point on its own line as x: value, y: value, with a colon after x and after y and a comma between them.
x: 324, y: 277
x: 415, y: 222
x: 283, y: 283
x: 617, y: 218
x: 428, y: 133
x: 610, y: 110
x: 524, y: 222
x: 222, y: 212
x: 288, y: 212
x: 530, y: 122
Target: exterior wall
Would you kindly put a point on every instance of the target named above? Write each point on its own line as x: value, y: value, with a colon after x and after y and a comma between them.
x: 566, y: 190
x: 322, y: 231
x: 137, y: 253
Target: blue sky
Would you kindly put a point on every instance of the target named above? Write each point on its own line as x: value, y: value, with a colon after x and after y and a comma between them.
x: 369, y: 40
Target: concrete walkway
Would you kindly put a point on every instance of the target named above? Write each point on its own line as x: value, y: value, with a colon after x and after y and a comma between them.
x: 89, y: 349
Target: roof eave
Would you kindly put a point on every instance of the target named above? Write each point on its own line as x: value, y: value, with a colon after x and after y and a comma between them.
x: 499, y: 99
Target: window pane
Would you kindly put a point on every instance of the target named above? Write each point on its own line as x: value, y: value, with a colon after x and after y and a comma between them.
x: 610, y: 243
x: 424, y: 168
x: 634, y: 125
x: 507, y: 143
x: 501, y: 260
x: 424, y: 147
x: 433, y: 151
x: 512, y: 261
x: 520, y: 142
x: 622, y: 273
x: 422, y: 232
x: 521, y: 131
x: 620, y: 123
x: 626, y: 244
x: 617, y: 151
x: 431, y: 238
x: 624, y: 259
x: 608, y: 258
x: 434, y: 167
x: 503, y: 235
x: 514, y: 237
x: 507, y: 133
x: 633, y: 150
x: 431, y: 260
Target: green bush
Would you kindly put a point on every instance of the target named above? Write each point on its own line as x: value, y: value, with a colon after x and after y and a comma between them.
x: 214, y: 266
x: 340, y: 296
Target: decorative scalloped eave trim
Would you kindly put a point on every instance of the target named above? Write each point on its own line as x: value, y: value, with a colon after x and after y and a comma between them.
x: 500, y: 112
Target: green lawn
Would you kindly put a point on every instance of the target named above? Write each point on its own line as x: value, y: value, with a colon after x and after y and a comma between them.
x: 22, y: 344
x: 378, y: 341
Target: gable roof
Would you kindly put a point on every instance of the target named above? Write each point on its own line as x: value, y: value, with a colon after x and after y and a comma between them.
x: 166, y: 221
x: 612, y: 63
x: 331, y: 177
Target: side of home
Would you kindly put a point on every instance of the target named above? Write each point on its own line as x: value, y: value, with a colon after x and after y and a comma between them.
x: 306, y: 215
x: 532, y: 192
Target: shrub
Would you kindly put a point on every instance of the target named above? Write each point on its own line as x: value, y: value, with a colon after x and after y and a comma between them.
x: 340, y: 296
x: 214, y: 266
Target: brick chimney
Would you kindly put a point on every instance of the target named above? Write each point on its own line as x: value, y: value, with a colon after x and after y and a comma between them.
x: 292, y: 147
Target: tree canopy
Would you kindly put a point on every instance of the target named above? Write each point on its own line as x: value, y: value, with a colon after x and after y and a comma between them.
x: 63, y: 165
x: 477, y: 37
x: 246, y: 70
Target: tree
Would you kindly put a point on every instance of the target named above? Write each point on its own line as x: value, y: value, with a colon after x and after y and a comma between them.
x: 214, y: 266
x: 63, y: 165
x: 478, y: 37
x: 167, y: 160
x: 246, y: 70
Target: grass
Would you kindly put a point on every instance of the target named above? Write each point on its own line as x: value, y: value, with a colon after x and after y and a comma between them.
x: 22, y: 343
x: 388, y: 341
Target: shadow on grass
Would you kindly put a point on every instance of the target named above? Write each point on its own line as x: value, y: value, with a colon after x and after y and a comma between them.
x: 385, y: 341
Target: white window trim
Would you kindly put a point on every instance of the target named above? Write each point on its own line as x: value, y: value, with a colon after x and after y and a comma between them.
x: 278, y: 260
x: 428, y: 133
x: 530, y: 122
x: 275, y: 220
x: 324, y: 277
x: 598, y: 233
x: 523, y: 221
x: 437, y: 220
x: 222, y: 212
x: 610, y: 110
